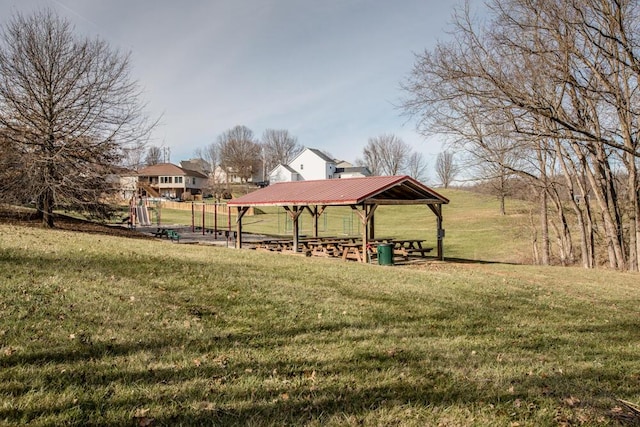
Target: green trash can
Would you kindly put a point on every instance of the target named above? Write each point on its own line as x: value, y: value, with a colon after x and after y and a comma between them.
x: 385, y: 254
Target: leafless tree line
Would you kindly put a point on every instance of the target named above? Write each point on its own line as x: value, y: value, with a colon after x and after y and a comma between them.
x: 238, y: 151
x: 547, y: 90
x: 387, y: 154
x: 69, y: 113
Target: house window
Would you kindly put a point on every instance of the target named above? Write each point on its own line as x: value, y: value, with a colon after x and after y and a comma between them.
x: 178, y: 180
x: 194, y: 181
x: 301, y: 166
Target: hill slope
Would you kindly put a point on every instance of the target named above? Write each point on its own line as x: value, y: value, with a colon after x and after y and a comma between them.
x: 113, y: 331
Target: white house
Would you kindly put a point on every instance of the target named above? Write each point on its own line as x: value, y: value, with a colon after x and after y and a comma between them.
x: 345, y: 169
x: 283, y: 173
x: 313, y: 164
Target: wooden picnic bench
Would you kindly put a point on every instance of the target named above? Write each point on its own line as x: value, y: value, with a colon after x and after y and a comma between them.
x: 324, y: 247
x: 273, y: 244
x: 352, y: 250
x: 407, y: 247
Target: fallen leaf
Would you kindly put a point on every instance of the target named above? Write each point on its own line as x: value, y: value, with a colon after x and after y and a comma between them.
x: 141, y: 412
x: 145, y: 422
x: 572, y: 401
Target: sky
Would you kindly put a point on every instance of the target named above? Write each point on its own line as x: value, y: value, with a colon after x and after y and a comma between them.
x: 328, y: 71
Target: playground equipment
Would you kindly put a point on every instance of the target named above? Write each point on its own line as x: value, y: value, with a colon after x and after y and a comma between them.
x: 139, y: 213
x: 204, y: 217
x: 142, y: 214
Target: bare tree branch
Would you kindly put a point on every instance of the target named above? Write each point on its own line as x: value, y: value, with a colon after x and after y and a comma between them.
x: 69, y: 111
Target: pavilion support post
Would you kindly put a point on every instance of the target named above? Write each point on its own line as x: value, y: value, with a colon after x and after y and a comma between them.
x: 315, y: 214
x: 440, y: 239
x: 294, y: 212
x: 366, y: 214
x: 241, y: 211
x: 372, y: 227
x: 437, y: 210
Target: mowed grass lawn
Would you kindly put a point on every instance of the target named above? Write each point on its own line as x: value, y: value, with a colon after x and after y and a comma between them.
x: 101, y: 330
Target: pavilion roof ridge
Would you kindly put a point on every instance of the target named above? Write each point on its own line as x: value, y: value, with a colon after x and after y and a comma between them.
x: 343, y: 191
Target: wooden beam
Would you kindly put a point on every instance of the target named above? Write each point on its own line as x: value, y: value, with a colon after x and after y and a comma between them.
x: 241, y: 211
x: 375, y: 201
x: 315, y: 214
x: 365, y: 216
x: 294, y: 212
x: 372, y: 227
x: 437, y: 210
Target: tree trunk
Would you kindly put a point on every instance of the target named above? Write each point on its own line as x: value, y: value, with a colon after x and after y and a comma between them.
x: 599, y: 180
x: 503, y: 191
x: 572, y: 178
x: 46, y: 208
x: 562, y: 230
x: 544, y: 229
x: 632, y: 198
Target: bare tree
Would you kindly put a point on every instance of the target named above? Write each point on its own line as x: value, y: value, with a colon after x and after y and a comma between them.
x: 239, y: 152
x: 280, y: 147
x: 154, y: 156
x: 446, y: 168
x: 210, y: 154
x: 386, y: 154
x: 561, y: 80
x: 416, y: 166
x: 133, y: 157
x: 68, y: 109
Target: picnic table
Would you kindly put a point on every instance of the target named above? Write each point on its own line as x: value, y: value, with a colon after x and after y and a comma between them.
x: 352, y: 250
x: 407, y: 247
x: 346, y: 247
x: 169, y: 233
x: 274, y: 244
x: 323, y: 246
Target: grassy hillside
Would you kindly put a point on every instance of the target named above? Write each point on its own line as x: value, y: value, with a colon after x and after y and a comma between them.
x: 109, y: 331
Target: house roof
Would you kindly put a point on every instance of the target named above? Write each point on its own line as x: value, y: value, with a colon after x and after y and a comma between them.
x: 347, y: 191
x: 199, y: 165
x: 169, y: 169
x: 315, y: 151
x: 354, y: 169
x: 281, y: 165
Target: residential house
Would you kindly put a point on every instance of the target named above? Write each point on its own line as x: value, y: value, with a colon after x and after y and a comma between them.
x: 198, y: 165
x: 283, y: 173
x: 222, y: 175
x: 347, y: 170
x: 169, y: 180
x: 124, y: 181
x: 312, y: 164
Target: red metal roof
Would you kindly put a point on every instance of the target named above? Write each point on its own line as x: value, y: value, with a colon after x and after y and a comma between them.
x: 346, y: 191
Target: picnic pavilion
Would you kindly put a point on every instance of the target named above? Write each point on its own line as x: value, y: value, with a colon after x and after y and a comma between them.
x: 363, y: 195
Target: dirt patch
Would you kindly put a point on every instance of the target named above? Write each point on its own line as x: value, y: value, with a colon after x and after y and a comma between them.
x: 28, y: 218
